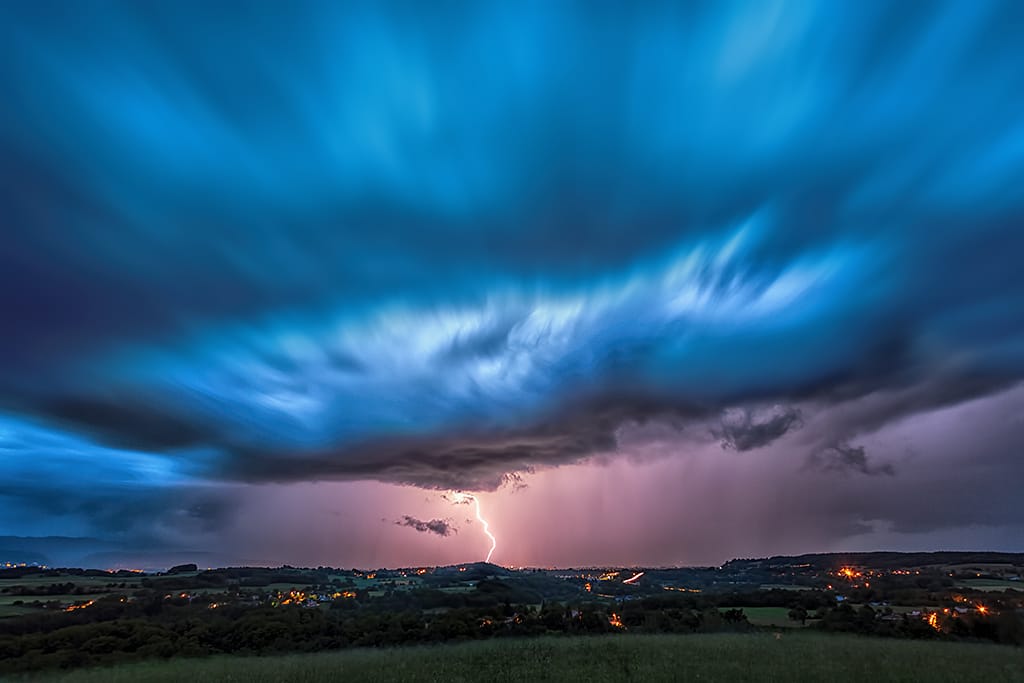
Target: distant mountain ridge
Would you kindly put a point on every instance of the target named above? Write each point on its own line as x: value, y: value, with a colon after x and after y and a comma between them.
x: 886, y: 559
x: 88, y: 552
x: 48, y: 550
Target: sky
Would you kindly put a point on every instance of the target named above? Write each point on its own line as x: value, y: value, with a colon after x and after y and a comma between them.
x: 281, y: 283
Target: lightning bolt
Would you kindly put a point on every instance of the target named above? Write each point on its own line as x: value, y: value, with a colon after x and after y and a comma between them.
x: 460, y: 497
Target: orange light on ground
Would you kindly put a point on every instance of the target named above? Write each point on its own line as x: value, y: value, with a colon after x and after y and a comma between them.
x: 933, y: 620
x: 587, y: 587
x: 982, y: 609
x: 294, y: 598
x: 72, y: 608
x: 631, y: 580
x: 615, y: 621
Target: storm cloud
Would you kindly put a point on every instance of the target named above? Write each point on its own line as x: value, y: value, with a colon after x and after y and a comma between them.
x: 449, y: 247
x: 844, y: 457
x: 744, y: 430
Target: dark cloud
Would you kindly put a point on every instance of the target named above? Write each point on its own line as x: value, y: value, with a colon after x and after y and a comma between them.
x: 472, y: 463
x: 515, y: 481
x: 133, y: 421
x: 473, y: 460
x: 866, y: 407
x: 141, y: 514
x: 441, y: 527
x: 842, y: 457
x: 745, y: 429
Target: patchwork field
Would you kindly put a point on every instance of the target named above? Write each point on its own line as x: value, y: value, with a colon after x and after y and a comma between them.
x: 94, y: 587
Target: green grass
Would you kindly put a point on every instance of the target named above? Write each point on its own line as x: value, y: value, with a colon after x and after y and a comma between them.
x: 63, y: 597
x: 795, y: 656
x: 768, y: 616
x: 992, y: 584
x: 43, y: 580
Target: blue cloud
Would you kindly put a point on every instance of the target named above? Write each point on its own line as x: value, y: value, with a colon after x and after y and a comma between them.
x: 397, y: 242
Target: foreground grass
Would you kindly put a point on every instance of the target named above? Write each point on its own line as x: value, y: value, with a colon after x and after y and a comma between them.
x: 795, y: 656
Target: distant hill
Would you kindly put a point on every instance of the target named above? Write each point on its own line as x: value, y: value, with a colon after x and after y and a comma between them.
x: 474, y: 571
x: 21, y: 556
x: 883, y: 559
x: 95, y: 553
x: 49, y: 550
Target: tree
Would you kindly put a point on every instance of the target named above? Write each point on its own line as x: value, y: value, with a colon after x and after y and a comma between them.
x: 798, y: 614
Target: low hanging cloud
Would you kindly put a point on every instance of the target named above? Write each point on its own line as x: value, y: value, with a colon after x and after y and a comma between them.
x: 843, y: 457
x: 441, y: 527
x: 746, y: 429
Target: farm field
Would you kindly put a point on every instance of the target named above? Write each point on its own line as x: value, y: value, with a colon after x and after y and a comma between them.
x: 6, y: 599
x: 992, y: 584
x: 769, y: 616
x: 93, y: 587
x: 8, y: 610
x: 792, y: 656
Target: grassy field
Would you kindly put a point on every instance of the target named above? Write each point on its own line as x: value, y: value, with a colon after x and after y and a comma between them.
x: 96, y: 585
x: 63, y: 597
x: 768, y: 616
x: 9, y: 609
x: 795, y: 656
x: 44, y: 580
x: 992, y: 584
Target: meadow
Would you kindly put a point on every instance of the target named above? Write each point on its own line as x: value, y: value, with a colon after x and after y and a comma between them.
x: 996, y: 585
x: 761, y: 657
x: 768, y: 616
